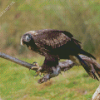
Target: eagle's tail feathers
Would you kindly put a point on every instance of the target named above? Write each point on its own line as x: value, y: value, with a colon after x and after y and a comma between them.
x: 97, y: 68
x: 87, y: 54
x: 88, y: 67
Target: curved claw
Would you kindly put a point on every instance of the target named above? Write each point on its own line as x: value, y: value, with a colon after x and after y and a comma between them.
x: 38, y: 73
x: 34, y: 63
x: 56, y: 72
x: 35, y: 66
x: 44, y: 79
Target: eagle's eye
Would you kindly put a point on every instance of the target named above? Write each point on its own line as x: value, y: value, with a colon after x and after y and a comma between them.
x: 28, y: 38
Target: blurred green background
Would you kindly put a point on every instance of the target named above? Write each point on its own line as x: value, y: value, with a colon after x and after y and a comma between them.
x: 80, y: 17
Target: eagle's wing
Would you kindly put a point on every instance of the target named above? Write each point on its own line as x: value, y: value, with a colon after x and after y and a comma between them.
x: 54, y: 39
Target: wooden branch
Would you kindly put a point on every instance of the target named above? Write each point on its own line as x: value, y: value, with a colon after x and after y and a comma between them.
x: 96, y: 95
x: 20, y: 62
x: 66, y: 65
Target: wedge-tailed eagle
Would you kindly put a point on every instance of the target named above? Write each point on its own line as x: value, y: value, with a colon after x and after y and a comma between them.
x: 56, y: 45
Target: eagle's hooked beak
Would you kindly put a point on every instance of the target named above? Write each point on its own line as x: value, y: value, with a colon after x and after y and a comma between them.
x: 21, y: 42
x: 26, y: 38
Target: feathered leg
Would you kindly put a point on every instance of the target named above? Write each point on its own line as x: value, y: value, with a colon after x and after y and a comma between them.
x: 46, y: 77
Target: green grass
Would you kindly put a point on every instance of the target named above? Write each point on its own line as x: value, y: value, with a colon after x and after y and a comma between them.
x: 18, y: 83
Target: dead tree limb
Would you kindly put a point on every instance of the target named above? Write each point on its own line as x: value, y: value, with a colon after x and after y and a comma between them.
x: 96, y: 95
x: 20, y: 62
x: 65, y: 65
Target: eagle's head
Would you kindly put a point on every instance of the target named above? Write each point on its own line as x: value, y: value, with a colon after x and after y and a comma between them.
x: 26, y: 38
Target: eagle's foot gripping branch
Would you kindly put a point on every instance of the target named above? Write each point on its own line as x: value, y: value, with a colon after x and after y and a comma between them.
x: 56, y: 72
x: 44, y: 79
x: 38, y: 71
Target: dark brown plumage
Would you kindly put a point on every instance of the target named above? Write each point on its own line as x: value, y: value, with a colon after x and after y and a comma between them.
x: 55, y: 45
x: 92, y: 65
